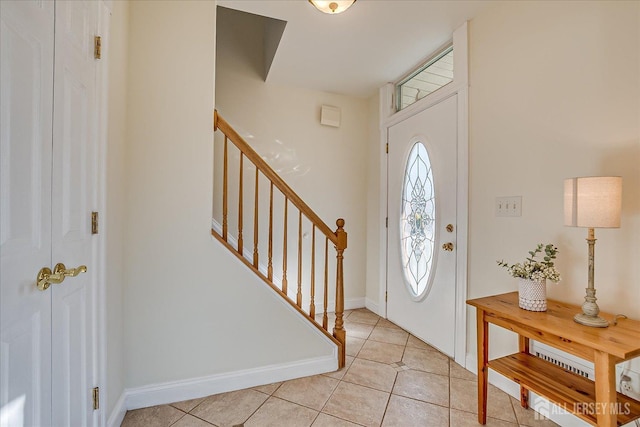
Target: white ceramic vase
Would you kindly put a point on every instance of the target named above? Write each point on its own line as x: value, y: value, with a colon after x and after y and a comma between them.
x: 532, y: 294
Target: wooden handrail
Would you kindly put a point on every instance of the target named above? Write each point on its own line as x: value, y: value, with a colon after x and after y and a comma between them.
x: 271, y: 175
x: 338, y: 237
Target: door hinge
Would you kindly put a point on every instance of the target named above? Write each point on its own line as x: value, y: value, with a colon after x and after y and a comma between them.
x: 387, y: 148
x: 94, y: 222
x: 386, y: 296
x: 97, y: 47
x: 386, y: 222
x: 96, y: 398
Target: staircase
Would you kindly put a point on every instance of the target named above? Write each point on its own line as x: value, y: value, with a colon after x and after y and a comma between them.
x: 267, y: 200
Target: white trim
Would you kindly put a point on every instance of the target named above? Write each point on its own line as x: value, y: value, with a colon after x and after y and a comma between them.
x: 386, y: 108
x: 461, y: 78
x: 118, y: 412
x: 462, y: 214
x: 388, y: 118
x: 372, y: 306
x: 102, y: 100
x: 176, y: 391
x: 350, y: 304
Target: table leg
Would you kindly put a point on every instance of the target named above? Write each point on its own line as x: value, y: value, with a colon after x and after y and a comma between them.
x: 523, y: 345
x: 606, y: 396
x: 483, y: 358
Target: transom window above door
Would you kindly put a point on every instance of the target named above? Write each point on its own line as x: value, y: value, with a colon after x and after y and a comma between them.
x: 434, y: 74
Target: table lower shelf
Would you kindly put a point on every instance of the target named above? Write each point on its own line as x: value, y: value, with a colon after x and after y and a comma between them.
x: 572, y: 392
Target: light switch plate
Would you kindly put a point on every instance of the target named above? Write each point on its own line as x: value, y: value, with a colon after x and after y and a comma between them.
x: 509, y: 206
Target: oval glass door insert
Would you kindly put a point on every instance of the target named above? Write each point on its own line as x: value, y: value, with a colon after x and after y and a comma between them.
x: 418, y: 222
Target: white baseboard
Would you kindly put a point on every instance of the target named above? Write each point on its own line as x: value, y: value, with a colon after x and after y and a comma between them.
x: 176, y: 391
x: 542, y: 405
x: 371, y: 305
x: 118, y: 412
x: 352, y: 303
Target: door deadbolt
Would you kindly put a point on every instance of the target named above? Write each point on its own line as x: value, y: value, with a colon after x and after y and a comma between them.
x: 449, y: 228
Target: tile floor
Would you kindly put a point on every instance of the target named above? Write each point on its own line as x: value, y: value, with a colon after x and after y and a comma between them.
x: 391, y: 379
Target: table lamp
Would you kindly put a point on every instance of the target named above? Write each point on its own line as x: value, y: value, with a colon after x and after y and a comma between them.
x: 592, y: 202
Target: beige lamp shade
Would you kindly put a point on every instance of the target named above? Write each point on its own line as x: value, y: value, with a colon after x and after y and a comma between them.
x: 593, y: 202
x: 332, y: 6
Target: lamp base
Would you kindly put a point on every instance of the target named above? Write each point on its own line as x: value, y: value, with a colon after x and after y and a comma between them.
x: 593, y: 321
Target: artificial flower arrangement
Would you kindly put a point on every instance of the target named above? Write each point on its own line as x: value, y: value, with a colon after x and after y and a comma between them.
x: 534, y: 269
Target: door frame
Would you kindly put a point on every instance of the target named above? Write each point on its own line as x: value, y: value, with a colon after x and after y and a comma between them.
x: 100, y: 309
x: 389, y: 117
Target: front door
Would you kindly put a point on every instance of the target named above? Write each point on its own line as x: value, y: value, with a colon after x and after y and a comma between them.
x: 48, y: 191
x: 421, y: 274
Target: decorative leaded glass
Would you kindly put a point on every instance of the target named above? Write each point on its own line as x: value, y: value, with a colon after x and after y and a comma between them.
x: 418, y: 220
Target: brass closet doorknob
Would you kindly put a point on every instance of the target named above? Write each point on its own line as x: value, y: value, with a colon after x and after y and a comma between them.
x: 448, y: 246
x: 46, y: 277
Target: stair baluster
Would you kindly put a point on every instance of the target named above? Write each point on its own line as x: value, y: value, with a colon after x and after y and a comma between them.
x: 338, y: 238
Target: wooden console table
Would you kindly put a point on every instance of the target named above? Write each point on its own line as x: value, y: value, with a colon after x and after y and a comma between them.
x: 596, y: 402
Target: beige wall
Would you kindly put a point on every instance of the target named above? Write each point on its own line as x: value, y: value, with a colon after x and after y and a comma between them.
x: 374, y: 265
x: 326, y: 166
x: 117, y: 53
x: 191, y: 309
x: 555, y: 93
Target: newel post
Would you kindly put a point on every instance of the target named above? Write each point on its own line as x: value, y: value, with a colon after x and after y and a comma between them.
x: 338, y: 331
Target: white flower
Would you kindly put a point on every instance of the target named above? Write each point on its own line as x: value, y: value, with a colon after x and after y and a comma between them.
x: 533, y: 269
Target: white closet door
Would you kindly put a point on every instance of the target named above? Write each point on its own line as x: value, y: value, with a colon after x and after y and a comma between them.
x: 74, y: 198
x: 26, y: 98
x: 48, y: 182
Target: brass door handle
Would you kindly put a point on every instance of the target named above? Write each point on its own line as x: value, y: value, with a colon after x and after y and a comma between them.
x: 448, y: 246
x: 71, y: 272
x: 46, y: 277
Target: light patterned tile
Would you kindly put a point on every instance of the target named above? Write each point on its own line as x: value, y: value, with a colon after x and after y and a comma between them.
x: 458, y: 371
x: 426, y: 360
x: 399, y: 366
x: 468, y: 419
x: 353, y: 346
x: 358, y: 330
x: 403, y: 412
x: 191, y: 421
x: 312, y: 392
x: 380, y: 376
x: 381, y: 352
x: 229, y: 409
x: 464, y: 397
x: 267, y: 388
x: 188, y: 405
x: 339, y: 374
x: 391, y: 336
x: 325, y: 420
x: 431, y: 388
x: 418, y: 343
x: 529, y: 417
x: 364, y: 316
x: 280, y: 413
x: 384, y: 323
x: 154, y: 416
x: 358, y: 404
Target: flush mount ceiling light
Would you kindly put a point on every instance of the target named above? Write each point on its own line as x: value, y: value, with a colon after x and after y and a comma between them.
x: 332, y: 6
